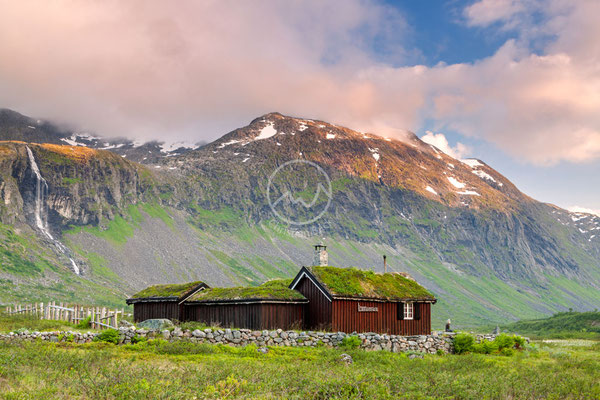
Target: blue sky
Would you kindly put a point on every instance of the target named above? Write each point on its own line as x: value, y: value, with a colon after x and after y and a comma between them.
x: 515, y: 83
x: 439, y: 33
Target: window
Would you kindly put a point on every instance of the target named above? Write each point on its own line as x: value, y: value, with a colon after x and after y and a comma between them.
x: 408, y: 310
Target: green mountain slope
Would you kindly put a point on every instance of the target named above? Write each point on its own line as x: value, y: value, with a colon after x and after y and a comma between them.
x: 487, y: 251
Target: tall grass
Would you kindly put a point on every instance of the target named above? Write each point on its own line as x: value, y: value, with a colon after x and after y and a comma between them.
x: 161, y: 370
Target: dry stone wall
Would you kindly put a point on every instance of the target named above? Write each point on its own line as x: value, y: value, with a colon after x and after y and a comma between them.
x: 241, y: 337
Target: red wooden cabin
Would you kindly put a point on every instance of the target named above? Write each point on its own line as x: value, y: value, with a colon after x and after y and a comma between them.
x: 163, y: 301
x: 353, y: 300
x: 269, y: 306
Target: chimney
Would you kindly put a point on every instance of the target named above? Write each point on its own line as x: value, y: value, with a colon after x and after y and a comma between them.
x: 384, y: 264
x: 320, y: 255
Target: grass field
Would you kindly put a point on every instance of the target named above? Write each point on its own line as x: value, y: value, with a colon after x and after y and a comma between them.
x: 564, y: 325
x: 161, y: 370
x: 552, y: 369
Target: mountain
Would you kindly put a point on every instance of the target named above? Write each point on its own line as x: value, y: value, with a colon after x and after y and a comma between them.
x: 14, y: 126
x: 231, y: 212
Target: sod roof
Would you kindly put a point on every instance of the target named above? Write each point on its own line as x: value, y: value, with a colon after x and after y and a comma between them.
x: 276, y: 289
x: 172, y: 291
x: 353, y: 282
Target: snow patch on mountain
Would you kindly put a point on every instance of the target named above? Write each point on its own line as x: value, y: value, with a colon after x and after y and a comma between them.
x: 234, y: 141
x: 483, y: 175
x: 266, y: 132
x: 472, y: 162
x: 430, y: 189
x: 455, y: 182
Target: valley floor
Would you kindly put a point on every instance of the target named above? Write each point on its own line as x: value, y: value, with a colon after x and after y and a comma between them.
x: 161, y: 370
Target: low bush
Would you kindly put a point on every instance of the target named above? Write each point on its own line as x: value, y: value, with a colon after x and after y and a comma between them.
x: 108, y: 336
x: 84, y: 323
x: 138, y: 339
x: 519, y: 342
x: 504, y: 341
x: 463, y: 343
x: 485, y: 347
x: 351, y: 342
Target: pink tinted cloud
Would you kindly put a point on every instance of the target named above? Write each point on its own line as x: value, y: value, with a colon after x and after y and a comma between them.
x: 149, y: 69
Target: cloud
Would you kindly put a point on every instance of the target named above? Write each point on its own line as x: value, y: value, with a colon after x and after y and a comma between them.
x: 578, y: 209
x: 148, y: 69
x: 486, y: 12
x: 439, y: 140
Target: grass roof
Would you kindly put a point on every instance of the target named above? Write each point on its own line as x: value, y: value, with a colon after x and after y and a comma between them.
x: 176, y: 290
x: 353, y: 282
x: 276, y: 289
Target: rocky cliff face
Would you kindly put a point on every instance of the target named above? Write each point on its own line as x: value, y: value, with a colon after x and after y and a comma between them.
x: 85, y: 186
x: 488, y: 251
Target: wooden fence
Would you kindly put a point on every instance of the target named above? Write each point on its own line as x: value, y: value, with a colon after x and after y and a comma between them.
x: 100, y: 317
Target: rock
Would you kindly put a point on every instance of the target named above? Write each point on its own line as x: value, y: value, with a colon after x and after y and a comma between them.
x: 263, y: 350
x: 166, y: 334
x: 126, y: 324
x: 198, y: 333
x: 159, y: 324
x: 346, y: 359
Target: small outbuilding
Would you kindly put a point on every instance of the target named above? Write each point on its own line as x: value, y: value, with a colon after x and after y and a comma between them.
x: 353, y: 300
x: 163, y: 301
x: 269, y: 306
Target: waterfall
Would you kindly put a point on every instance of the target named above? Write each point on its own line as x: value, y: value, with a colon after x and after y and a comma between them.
x: 40, y: 210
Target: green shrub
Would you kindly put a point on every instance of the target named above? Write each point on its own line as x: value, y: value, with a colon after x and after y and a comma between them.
x: 519, y: 342
x: 351, y: 342
x: 504, y: 341
x: 485, y: 347
x: 507, y: 352
x: 108, y: 336
x: 138, y: 339
x: 84, y: 323
x: 463, y: 342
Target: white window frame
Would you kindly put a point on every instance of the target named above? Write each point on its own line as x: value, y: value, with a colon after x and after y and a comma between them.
x: 409, y: 311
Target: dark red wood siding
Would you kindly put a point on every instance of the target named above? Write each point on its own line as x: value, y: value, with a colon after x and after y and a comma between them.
x: 248, y: 316
x: 347, y: 318
x: 318, y: 310
x: 151, y: 310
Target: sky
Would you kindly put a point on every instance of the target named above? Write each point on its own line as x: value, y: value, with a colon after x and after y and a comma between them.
x: 514, y: 83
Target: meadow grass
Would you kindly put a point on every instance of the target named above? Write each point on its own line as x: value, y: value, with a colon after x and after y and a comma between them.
x: 9, y: 323
x: 181, y: 370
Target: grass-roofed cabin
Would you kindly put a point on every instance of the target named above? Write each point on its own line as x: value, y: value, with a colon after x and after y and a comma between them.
x: 269, y: 306
x: 349, y: 299
x: 163, y: 301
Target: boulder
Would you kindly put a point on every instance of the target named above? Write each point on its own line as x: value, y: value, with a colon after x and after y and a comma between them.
x: 158, y: 324
x: 346, y: 358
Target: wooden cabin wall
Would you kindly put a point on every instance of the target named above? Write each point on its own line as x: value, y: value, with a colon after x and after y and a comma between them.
x: 152, y: 310
x: 347, y: 318
x: 257, y: 316
x: 318, y: 310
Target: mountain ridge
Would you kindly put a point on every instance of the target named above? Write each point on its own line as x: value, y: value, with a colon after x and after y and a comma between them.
x: 204, y: 214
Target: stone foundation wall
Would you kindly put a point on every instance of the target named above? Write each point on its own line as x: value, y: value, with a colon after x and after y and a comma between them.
x: 241, y: 337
